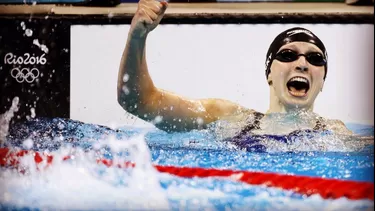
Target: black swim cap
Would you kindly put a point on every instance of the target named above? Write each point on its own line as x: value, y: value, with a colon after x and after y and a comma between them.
x: 296, y: 34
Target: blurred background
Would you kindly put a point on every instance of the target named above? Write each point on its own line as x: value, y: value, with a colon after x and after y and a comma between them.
x: 116, y: 2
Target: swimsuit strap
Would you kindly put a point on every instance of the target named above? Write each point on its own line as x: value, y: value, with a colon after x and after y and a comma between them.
x: 254, y: 124
x: 319, y: 124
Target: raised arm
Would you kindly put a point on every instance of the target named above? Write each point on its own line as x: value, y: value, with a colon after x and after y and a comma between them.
x: 137, y: 93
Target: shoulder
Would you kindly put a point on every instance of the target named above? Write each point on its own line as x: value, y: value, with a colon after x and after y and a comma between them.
x: 222, y: 108
x: 337, y: 126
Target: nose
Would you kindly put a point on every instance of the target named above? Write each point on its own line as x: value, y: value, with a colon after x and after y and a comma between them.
x: 302, y: 64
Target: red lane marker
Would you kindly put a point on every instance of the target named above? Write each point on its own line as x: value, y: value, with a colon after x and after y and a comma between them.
x: 326, y: 188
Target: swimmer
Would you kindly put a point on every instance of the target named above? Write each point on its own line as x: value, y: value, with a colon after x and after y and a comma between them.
x: 296, y: 69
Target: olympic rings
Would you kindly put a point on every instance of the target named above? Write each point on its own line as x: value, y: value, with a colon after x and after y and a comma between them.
x: 25, y: 74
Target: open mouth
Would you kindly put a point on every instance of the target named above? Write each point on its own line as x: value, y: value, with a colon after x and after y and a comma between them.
x: 298, y: 86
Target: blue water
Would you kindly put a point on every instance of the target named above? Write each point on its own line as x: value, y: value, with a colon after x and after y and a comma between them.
x: 200, y: 149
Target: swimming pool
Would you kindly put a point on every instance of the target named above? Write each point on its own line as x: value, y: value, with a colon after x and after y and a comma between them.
x: 80, y: 183
x: 77, y: 47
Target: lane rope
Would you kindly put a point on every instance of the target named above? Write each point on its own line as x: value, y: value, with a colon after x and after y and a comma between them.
x: 327, y: 188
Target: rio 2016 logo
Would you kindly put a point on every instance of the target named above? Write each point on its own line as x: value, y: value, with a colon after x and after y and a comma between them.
x: 24, y: 74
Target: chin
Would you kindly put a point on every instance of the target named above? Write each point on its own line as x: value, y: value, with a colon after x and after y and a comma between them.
x: 300, y: 103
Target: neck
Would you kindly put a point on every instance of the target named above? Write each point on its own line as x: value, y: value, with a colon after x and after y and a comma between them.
x: 276, y: 106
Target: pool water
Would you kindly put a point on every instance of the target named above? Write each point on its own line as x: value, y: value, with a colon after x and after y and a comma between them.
x: 81, y: 184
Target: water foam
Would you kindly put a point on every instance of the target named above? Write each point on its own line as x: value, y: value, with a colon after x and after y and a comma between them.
x: 82, y: 184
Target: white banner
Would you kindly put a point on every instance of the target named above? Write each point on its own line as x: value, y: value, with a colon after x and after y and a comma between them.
x: 218, y: 61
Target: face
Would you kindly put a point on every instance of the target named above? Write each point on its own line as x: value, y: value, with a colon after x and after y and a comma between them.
x: 297, y: 83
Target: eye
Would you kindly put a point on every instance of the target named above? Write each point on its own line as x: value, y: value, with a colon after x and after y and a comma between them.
x: 316, y: 58
x: 286, y: 56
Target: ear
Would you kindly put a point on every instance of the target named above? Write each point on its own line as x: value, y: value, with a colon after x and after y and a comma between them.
x: 269, y: 79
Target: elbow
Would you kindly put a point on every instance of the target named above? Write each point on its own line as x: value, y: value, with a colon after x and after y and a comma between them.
x: 127, y: 101
x: 121, y: 98
x: 122, y: 95
x: 133, y: 100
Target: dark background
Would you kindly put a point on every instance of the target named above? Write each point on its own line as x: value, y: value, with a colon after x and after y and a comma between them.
x: 49, y: 93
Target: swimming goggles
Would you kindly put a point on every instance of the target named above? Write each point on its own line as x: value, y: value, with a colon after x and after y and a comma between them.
x: 314, y: 58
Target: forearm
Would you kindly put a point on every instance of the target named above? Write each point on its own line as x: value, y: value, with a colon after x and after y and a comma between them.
x: 134, y: 81
x: 138, y: 95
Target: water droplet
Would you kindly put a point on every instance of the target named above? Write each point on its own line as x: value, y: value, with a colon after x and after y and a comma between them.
x: 199, y: 121
x: 125, y: 90
x: 29, y: 32
x: 44, y: 48
x: 158, y: 119
x: 32, y: 110
x: 23, y: 25
x: 125, y: 78
x: 41, y: 46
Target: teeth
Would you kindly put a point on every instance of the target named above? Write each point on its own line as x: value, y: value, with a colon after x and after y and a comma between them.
x: 300, y: 79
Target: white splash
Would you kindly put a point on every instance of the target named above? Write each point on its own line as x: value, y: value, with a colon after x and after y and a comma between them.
x: 85, y: 184
x: 5, y: 119
x: 41, y: 46
x: 28, y: 144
